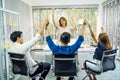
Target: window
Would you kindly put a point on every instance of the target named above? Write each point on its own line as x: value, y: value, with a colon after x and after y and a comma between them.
x: 79, y: 14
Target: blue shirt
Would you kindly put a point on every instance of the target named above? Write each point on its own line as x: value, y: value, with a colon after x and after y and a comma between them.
x: 64, y: 49
x: 99, y: 51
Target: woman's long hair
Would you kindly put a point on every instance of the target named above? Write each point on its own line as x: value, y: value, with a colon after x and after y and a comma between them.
x: 63, y: 18
x: 104, y: 38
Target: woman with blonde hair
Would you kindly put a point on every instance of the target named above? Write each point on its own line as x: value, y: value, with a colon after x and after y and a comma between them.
x: 103, y: 43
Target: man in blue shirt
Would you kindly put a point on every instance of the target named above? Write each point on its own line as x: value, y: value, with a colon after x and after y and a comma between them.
x: 64, y: 48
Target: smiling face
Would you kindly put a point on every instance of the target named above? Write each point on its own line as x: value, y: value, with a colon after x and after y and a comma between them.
x: 63, y: 21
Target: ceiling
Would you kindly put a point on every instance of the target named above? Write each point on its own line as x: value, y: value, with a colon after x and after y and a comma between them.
x: 62, y: 2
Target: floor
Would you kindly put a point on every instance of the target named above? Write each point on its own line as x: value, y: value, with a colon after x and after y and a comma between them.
x: 83, y: 55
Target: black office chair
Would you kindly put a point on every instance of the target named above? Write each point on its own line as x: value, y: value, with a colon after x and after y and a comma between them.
x: 65, y: 65
x: 107, y: 63
x: 20, y: 66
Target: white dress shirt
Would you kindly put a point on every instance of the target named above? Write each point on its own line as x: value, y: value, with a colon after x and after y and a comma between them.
x: 24, y: 49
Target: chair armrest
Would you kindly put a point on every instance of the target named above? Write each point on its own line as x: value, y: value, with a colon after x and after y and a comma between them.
x: 91, y: 62
x: 93, y: 45
x: 37, y: 64
x: 30, y: 68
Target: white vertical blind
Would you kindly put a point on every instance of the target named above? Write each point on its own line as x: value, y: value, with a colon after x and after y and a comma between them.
x: 111, y: 16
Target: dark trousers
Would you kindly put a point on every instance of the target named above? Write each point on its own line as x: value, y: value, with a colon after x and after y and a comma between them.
x: 43, y: 69
x: 70, y: 78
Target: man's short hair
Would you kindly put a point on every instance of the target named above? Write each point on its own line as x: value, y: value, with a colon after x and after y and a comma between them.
x: 65, y: 37
x: 14, y: 35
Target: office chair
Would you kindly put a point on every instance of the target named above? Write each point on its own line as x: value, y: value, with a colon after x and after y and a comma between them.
x: 65, y: 65
x: 20, y: 66
x: 107, y: 62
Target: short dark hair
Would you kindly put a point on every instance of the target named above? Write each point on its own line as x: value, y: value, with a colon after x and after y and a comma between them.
x: 14, y: 35
x: 65, y: 37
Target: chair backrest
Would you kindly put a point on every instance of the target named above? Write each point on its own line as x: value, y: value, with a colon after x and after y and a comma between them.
x: 108, y: 60
x: 65, y: 65
x: 18, y: 63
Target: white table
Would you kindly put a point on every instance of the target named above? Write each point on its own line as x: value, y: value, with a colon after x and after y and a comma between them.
x: 45, y: 54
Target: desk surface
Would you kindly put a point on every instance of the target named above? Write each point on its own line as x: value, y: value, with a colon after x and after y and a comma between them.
x: 47, y: 49
x: 45, y: 54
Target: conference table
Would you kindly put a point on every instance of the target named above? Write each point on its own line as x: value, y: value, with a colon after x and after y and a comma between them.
x: 45, y: 54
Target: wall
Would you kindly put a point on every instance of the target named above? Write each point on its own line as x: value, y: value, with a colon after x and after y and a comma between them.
x: 27, y: 1
x: 25, y: 16
x: 63, y: 2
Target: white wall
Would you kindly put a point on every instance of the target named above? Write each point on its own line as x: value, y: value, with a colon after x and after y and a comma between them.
x: 27, y: 1
x: 63, y: 2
